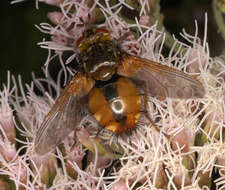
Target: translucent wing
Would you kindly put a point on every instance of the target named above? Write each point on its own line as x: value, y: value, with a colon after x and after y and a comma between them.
x: 65, y: 114
x: 161, y: 80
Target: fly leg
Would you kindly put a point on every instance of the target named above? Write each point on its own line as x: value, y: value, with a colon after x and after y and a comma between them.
x: 148, y: 111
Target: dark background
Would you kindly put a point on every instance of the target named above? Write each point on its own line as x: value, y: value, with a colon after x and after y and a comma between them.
x: 20, y: 53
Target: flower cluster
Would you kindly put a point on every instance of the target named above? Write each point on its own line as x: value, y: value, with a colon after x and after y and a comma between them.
x: 186, y: 153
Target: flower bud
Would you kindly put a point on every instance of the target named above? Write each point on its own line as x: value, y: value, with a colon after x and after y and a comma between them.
x: 46, y: 165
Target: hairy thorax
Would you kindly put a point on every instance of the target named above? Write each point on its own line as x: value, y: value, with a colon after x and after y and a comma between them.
x: 99, y: 55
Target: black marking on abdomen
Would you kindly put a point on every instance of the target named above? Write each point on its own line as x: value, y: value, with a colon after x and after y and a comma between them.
x: 112, y: 97
x: 110, y: 91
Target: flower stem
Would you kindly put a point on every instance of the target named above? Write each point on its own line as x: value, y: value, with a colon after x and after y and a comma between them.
x: 219, y: 18
x: 156, y: 16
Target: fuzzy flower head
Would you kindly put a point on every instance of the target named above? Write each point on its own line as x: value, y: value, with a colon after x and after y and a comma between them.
x: 176, y: 147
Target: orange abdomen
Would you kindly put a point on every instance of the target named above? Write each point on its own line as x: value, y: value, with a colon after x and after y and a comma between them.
x: 116, y: 106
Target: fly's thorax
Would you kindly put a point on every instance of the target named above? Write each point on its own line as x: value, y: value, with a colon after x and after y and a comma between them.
x: 99, y: 55
x: 116, y: 106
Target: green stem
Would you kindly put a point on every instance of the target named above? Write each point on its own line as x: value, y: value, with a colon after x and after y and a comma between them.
x: 223, y: 53
x: 219, y: 18
x: 156, y: 16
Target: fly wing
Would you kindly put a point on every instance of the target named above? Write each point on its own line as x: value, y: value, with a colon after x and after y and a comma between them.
x: 63, y: 117
x: 161, y: 80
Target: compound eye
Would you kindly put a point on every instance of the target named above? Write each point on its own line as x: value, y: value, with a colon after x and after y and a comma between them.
x: 81, y: 39
x: 90, y: 32
x: 101, y: 30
